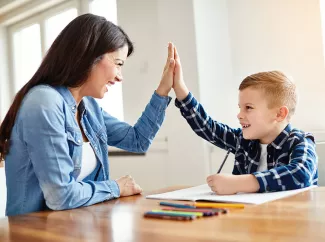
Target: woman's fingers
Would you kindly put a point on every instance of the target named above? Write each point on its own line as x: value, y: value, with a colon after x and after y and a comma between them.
x: 170, y: 55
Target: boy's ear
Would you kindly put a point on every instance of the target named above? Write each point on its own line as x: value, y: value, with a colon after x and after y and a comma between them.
x: 282, y: 113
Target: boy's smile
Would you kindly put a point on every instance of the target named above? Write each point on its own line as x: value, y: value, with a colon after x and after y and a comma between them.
x: 245, y: 126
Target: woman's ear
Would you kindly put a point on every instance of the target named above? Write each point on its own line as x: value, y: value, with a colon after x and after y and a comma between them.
x: 98, y: 59
x: 282, y: 113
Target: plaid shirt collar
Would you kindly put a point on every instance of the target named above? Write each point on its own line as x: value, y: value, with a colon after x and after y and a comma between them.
x: 282, y: 137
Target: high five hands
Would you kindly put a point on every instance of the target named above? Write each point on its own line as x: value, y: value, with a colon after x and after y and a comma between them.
x: 172, y: 76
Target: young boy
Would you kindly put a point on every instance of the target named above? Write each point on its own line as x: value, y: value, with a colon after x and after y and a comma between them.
x: 270, y: 155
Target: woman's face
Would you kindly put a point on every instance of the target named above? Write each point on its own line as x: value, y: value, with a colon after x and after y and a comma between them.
x: 105, y: 72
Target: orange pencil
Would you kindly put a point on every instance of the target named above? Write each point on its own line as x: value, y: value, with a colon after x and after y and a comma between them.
x: 218, y: 205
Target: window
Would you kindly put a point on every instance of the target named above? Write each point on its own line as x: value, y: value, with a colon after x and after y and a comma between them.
x: 27, y: 54
x: 32, y: 37
x: 54, y: 25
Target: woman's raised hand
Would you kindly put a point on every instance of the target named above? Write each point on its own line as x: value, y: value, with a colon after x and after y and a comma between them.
x: 179, y: 86
x: 167, y: 78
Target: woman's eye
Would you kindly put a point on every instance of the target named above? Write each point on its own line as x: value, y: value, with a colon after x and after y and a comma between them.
x: 248, y: 107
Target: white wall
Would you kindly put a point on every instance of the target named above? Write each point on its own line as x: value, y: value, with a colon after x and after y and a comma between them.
x: 150, y: 25
x: 4, y: 84
x: 238, y: 38
x: 4, y: 2
x: 284, y: 35
x: 217, y: 93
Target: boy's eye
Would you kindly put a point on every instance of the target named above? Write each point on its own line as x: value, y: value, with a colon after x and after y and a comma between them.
x: 249, y: 107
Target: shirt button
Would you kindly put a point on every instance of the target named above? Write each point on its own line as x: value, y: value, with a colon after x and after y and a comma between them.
x: 95, y: 147
x: 73, y: 108
x: 78, y: 141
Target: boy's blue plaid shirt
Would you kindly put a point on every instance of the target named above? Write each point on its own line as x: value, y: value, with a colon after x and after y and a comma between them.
x: 292, y: 161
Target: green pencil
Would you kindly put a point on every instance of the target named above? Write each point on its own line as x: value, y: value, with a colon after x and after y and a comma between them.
x: 178, y: 212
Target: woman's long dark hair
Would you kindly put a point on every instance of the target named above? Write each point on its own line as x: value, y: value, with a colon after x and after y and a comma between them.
x: 69, y: 61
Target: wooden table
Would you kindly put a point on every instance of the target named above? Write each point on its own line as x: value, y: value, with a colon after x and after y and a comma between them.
x: 297, y: 218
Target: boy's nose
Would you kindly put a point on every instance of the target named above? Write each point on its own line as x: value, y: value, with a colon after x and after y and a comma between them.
x: 239, y: 116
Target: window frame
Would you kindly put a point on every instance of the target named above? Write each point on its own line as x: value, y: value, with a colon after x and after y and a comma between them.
x: 82, y: 6
x: 39, y: 18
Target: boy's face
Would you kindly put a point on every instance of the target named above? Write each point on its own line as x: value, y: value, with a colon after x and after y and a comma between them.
x: 257, y: 120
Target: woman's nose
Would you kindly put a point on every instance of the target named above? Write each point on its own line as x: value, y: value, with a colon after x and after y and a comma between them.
x: 119, y: 77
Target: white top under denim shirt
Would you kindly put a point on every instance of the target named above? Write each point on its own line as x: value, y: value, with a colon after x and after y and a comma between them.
x: 88, y: 161
x: 44, y: 159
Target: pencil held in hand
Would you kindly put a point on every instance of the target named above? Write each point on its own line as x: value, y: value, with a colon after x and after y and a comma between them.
x: 224, y: 160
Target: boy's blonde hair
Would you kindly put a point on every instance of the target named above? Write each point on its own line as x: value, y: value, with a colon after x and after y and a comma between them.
x: 278, y: 89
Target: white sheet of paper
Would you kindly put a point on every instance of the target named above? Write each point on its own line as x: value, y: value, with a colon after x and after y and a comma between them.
x: 203, y: 192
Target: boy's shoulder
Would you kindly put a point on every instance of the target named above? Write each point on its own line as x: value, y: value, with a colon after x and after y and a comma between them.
x: 300, y: 135
x: 291, y: 137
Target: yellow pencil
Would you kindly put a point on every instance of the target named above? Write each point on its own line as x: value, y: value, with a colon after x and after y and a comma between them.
x: 218, y: 205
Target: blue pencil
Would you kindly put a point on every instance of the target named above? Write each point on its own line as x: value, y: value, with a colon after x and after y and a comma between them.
x: 176, y: 205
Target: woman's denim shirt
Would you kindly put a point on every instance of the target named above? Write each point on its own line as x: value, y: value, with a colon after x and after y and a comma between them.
x: 44, y: 159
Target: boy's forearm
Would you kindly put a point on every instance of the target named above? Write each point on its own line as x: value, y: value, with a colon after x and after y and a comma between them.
x: 247, y: 183
x: 181, y: 92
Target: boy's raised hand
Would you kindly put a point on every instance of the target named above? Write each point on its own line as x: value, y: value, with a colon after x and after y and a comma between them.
x: 179, y: 86
x: 167, y: 78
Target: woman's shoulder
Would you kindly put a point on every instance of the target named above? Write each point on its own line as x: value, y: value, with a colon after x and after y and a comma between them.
x: 41, y: 104
x: 43, y: 94
x: 42, y: 97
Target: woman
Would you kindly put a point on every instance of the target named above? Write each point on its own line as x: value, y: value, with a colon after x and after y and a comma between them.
x: 55, y: 137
